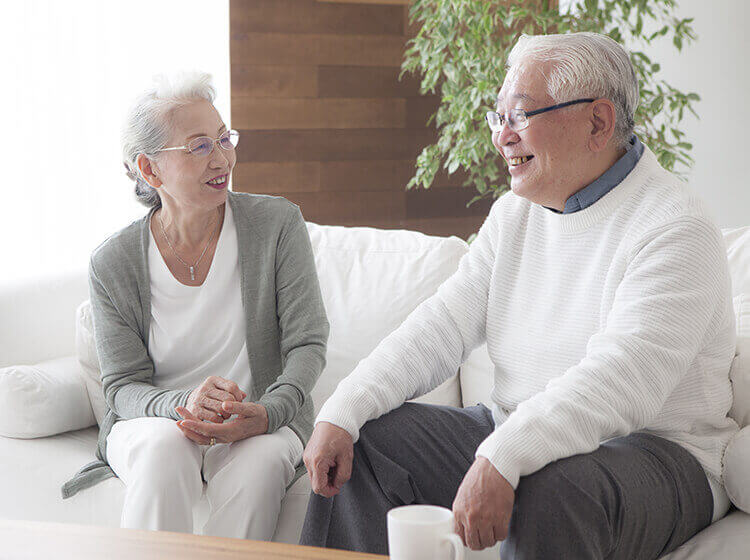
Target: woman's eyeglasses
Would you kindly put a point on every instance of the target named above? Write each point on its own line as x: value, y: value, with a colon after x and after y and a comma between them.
x: 203, y: 145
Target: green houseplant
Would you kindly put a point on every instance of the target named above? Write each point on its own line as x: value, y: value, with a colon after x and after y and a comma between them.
x: 460, y: 52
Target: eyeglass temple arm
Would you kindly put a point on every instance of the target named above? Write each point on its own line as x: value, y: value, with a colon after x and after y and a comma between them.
x: 558, y: 106
x: 215, y: 140
x: 176, y: 148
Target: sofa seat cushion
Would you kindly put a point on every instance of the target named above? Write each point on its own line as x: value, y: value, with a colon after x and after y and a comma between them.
x: 726, y: 539
x: 33, y: 471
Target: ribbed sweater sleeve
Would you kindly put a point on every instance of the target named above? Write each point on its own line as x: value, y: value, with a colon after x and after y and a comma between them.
x: 663, y: 310
x: 427, y: 348
x: 127, y: 369
x: 303, y: 324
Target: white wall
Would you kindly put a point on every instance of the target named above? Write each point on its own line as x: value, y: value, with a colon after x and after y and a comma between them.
x: 717, y: 67
x: 70, y: 70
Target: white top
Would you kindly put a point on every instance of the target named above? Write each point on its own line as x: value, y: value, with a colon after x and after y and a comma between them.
x: 199, y: 331
x: 614, y: 319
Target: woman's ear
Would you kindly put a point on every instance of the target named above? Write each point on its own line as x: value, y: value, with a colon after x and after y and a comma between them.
x: 148, y: 170
x: 603, y: 120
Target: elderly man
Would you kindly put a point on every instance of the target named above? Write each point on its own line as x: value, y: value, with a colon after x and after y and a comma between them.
x: 601, y: 287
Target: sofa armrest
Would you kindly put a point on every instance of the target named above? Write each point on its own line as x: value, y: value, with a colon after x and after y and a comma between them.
x: 43, y: 399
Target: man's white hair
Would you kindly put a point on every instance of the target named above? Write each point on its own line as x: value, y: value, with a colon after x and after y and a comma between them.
x: 585, y: 65
x: 147, y: 124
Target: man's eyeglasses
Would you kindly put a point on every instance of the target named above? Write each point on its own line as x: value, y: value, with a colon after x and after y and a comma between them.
x: 518, y: 119
x: 203, y: 145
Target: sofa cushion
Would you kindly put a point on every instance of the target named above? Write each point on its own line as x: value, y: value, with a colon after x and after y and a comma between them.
x: 43, y: 399
x: 737, y: 469
x: 371, y: 280
x: 740, y: 372
x: 737, y: 242
x: 737, y: 455
x: 30, y: 483
x: 724, y: 540
x: 89, y: 361
x: 38, y: 322
x: 477, y: 378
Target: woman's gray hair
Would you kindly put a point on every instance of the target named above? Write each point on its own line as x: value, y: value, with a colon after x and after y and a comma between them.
x: 147, y: 124
x: 585, y: 65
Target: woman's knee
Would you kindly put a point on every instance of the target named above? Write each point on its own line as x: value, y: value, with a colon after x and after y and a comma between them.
x: 156, y: 449
x: 264, y: 458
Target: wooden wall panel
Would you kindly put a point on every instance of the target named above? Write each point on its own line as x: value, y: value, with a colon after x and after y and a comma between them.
x: 279, y: 113
x: 332, y: 144
x: 311, y: 16
x: 313, y: 50
x: 256, y: 81
x: 325, y: 121
x: 357, y: 81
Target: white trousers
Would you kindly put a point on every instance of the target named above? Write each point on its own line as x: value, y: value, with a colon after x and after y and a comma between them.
x: 164, y: 471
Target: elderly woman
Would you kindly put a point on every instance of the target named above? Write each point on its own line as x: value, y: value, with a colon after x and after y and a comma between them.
x: 209, y: 326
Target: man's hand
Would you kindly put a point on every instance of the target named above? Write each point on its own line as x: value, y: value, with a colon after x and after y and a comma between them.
x: 328, y: 458
x: 252, y: 420
x: 483, y: 506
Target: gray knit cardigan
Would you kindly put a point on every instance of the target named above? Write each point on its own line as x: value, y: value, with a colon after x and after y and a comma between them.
x: 285, y: 322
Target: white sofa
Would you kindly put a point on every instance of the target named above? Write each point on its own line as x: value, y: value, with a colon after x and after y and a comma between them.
x: 371, y: 279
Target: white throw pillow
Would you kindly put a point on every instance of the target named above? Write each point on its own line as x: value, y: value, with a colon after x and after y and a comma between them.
x: 89, y: 360
x: 43, y: 399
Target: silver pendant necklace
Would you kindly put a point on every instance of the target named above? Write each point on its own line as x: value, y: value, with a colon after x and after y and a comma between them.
x: 191, y: 268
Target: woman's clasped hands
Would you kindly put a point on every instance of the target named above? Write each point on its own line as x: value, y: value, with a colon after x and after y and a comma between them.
x: 215, y: 401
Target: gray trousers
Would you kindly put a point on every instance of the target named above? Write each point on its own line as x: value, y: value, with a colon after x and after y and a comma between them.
x: 635, y: 497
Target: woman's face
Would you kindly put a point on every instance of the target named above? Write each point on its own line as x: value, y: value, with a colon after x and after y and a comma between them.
x: 185, y: 176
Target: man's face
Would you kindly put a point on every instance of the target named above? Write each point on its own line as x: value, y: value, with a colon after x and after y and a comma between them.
x: 555, y: 142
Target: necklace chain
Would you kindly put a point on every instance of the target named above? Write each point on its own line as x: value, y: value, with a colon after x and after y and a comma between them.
x: 190, y: 268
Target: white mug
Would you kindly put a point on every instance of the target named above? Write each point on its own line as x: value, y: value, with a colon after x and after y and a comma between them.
x: 417, y: 532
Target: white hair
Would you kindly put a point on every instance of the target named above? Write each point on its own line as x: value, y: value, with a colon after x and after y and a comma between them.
x: 585, y: 65
x: 147, y: 124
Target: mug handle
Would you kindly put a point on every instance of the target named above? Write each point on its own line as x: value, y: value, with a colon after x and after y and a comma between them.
x: 457, y: 544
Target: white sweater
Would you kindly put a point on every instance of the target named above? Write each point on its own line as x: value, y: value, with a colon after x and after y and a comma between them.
x: 614, y: 319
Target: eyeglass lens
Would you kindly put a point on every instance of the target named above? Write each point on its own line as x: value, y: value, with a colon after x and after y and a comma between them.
x: 203, y: 145
x: 517, y: 120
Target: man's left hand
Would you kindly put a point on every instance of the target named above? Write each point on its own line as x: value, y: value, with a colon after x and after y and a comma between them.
x: 483, y: 506
x: 251, y: 420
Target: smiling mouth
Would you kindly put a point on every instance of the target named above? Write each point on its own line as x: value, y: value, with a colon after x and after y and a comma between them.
x: 218, y: 181
x: 514, y: 161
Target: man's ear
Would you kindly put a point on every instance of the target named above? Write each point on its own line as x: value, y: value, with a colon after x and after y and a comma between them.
x: 603, y: 118
x: 148, y: 170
